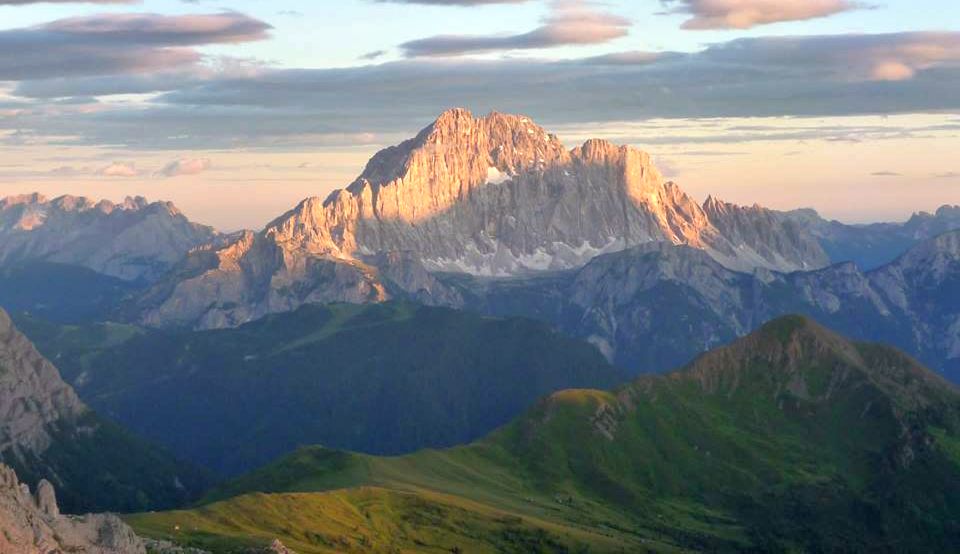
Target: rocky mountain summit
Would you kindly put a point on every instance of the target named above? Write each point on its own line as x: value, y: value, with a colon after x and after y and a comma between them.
x: 133, y: 240
x: 489, y: 196
x: 32, y: 524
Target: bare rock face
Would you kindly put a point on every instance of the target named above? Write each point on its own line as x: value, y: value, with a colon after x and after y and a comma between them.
x: 767, y: 234
x: 489, y: 196
x: 33, y: 524
x: 33, y: 397
x: 132, y: 240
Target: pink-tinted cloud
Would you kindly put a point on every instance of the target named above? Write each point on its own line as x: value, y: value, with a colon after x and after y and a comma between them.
x: 185, y: 166
x: 112, y: 44
x: 145, y: 29
x: 119, y: 169
x: 571, y: 22
x: 744, y: 14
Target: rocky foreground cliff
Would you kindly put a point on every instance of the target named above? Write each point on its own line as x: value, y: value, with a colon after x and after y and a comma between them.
x: 485, y: 196
x: 46, y: 432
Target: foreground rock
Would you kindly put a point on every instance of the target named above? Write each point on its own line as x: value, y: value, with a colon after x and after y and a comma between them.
x: 32, y: 524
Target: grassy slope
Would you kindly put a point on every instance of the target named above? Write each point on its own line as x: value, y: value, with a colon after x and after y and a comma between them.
x: 791, y: 439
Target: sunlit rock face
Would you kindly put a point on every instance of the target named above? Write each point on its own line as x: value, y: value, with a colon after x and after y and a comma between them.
x: 489, y: 196
x: 133, y: 240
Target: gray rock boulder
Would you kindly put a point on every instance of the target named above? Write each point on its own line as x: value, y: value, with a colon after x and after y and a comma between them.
x: 33, y: 524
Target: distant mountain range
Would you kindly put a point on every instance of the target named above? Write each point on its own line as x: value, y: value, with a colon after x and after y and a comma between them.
x: 46, y: 432
x: 876, y: 244
x: 659, y: 305
x: 790, y: 439
x: 134, y: 240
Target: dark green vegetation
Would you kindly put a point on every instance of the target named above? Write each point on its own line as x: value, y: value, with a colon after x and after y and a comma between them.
x: 59, y: 292
x: 792, y: 439
x: 97, y: 466
x: 385, y: 379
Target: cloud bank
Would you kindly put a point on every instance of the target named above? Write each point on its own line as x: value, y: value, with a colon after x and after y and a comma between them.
x: 112, y: 44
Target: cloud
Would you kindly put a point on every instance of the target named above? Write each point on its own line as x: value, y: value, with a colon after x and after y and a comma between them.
x: 886, y: 174
x: 119, y: 169
x: 744, y: 14
x: 25, y: 2
x: 118, y: 43
x: 452, y: 2
x: 571, y: 22
x: 633, y: 57
x: 374, y: 104
x: 180, y: 167
x: 373, y: 55
x: 882, y: 57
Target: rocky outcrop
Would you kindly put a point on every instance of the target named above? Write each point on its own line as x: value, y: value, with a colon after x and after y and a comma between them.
x: 490, y: 196
x: 764, y: 232
x: 33, y: 397
x: 133, y: 240
x: 32, y: 524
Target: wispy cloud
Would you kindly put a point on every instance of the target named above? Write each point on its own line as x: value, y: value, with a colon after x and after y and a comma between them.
x: 119, y: 169
x: 744, y: 14
x: 25, y: 2
x: 187, y: 166
x: 110, y: 44
x: 571, y: 22
x: 452, y: 2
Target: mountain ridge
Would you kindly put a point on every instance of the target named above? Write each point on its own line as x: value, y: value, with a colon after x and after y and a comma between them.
x: 134, y: 240
x: 493, y: 196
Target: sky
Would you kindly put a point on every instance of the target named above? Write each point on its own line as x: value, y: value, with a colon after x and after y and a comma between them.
x: 237, y: 110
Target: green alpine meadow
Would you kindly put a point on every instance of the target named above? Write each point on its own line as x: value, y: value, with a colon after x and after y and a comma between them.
x: 792, y: 439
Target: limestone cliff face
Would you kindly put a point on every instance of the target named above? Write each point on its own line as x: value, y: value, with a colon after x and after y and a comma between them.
x: 490, y: 196
x: 33, y: 397
x: 780, y: 243
x: 500, y: 196
x: 32, y: 524
x: 132, y: 240
x: 656, y: 306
